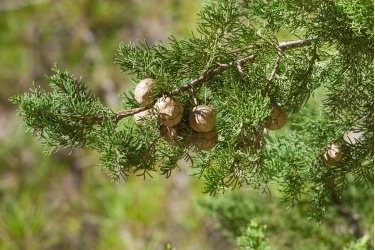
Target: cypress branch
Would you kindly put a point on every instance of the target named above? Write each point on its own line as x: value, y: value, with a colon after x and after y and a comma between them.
x: 197, y: 82
x: 237, y: 66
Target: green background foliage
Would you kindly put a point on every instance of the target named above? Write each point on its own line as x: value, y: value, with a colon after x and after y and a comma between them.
x: 62, y: 202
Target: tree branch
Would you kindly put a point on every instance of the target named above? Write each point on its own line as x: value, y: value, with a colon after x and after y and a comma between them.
x: 205, y: 77
x: 273, y: 73
x: 126, y: 113
x: 296, y: 44
x: 222, y: 67
x: 209, y: 74
x: 118, y: 115
x: 194, y: 96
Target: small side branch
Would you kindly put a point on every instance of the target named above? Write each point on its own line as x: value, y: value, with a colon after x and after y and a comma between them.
x: 239, y: 67
x: 194, y: 96
x: 273, y: 73
x: 117, y: 116
x: 209, y: 74
x: 296, y: 44
x: 126, y: 113
x: 240, y: 50
x: 222, y: 67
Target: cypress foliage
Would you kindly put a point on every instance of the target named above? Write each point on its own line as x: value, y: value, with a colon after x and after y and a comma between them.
x: 242, y: 58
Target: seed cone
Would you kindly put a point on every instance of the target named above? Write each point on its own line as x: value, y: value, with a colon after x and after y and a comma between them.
x: 169, y: 111
x: 333, y: 153
x: 144, y: 93
x: 353, y: 136
x: 170, y: 135
x: 202, y: 118
x: 205, y: 140
x: 142, y: 117
x: 277, y: 120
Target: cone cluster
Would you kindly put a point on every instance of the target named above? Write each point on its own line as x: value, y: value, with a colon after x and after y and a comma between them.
x: 169, y: 112
x: 202, y: 121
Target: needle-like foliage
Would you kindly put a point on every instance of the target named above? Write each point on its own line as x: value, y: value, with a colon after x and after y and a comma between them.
x: 242, y: 58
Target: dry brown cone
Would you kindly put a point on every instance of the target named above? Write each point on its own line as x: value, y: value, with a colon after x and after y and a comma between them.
x: 202, y: 118
x: 205, y: 140
x: 169, y: 110
x: 333, y: 154
x: 170, y: 135
x: 144, y: 93
x: 142, y: 117
x: 277, y: 120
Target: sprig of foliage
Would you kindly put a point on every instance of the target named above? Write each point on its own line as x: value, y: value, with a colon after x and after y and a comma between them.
x: 360, y: 244
x: 253, y: 238
x: 65, y: 117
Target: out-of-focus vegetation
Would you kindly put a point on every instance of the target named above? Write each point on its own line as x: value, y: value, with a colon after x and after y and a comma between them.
x: 62, y: 202
x: 289, y: 228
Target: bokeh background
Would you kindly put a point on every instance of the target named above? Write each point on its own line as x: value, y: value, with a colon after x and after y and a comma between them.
x: 63, y: 202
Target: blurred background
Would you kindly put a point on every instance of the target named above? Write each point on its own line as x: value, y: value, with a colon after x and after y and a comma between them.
x: 63, y: 202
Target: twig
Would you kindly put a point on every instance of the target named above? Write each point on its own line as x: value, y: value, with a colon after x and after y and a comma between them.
x: 239, y: 50
x: 282, y: 47
x: 296, y: 44
x: 239, y: 67
x: 78, y: 117
x: 194, y: 96
x: 118, y: 116
x: 209, y: 74
x: 126, y: 113
x: 273, y: 73
x: 222, y: 67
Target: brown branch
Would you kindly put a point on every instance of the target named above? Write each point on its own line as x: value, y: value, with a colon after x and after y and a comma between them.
x: 209, y: 74
x: 282, y: 47
x: 194, y: 96
x: 295, y: 44
x: 273, y: 73
x: 205, y: 77
x: 239, y: 50
x: 117, y: 116
x: 239, y: 67
x: 126, y: 113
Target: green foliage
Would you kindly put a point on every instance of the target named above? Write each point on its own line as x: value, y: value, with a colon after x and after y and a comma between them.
x: 288, y: 228
x: 361, y: 14
x: 360, y: 244
x: 63, y: 117
x: 238, y: 62
x: 254, y: 238
x: 302, y: 169
x: 168, y: 247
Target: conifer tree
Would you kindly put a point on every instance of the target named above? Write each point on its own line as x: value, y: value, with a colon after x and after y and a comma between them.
x: 214, y: 98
